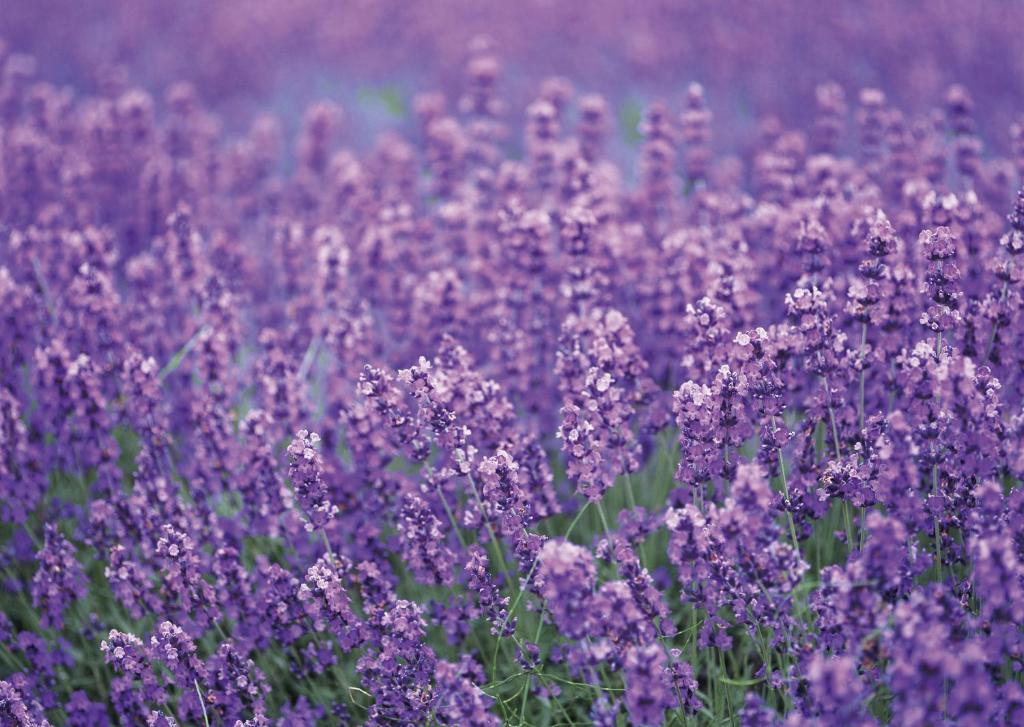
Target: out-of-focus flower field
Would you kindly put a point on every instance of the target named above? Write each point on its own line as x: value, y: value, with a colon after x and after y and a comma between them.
x: 544, y: 363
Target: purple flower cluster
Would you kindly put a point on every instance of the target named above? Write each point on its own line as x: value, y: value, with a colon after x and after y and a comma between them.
x: 59, y: 582
x: 485, y: 398
x: 565, y: 580
x: 305, y: 470
x: 603, y: 380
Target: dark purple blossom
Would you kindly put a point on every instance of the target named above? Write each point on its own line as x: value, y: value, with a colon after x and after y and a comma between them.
x: 565, y: 579
x: 59, y: 582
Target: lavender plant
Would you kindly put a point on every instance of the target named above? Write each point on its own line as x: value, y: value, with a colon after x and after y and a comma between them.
x: 538, y: 399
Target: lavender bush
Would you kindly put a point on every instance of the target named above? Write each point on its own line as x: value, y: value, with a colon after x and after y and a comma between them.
x: 491, y: 395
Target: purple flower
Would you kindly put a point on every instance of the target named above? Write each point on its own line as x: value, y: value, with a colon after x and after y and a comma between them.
x: 237, y: 687
x: 183, y: 579
x: 18, y: 709
x: 616, y: 616
x: 836, y: 689
x: 326, y: 602
x: 565, y: 579
x: 83, y: 712
x: 399, y: 667
x: 22, y: 482
x: 603, y: 381
x: 489, y: 597
x: 306, y: 472
x: 648, y: 691
x: 423, y: 546
x: 59, y: 581
x: 941, y: 280
x: 136, y: 684
x: 459, y: 700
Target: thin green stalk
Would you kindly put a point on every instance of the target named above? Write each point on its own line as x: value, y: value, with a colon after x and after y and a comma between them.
x: 661, y: 639
x: 838, y: 449
x: 202, y: 703
x: 14, y: 658
x: 849, y: 526
x: 327, y: 546
x: 171, y: 366
x: 309, y: 358
x: 631, y: 500
x: 832, y: 416
x: 728, y: 692
x: 863, y: 371
x: 785, y: 490
x: 604, y: 521
x: 935, y: 481
x: 630, y: 495
x: 938, y: 530
x: 490, y: 530
x: 529, y: 679
x: 451, y: 518
x: 462, y: 542
x: 575, y: 520
x: 533, y: 568
x: 598, y: 687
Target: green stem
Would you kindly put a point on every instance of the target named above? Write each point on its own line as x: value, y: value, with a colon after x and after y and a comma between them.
x: 180, y: 355
x: 327, y: 546
x: 935, y: 481
x: 631, y: 499
x: 838, y: 449
x: 451, y: 519
x: 832, y: 416
x: 526, y: 583
x: 202, y: 703
x: 490, y: 530
x: 849, y: 526
x: 604, y: 522
x: 863, y: 371
x: 938, y: 530
x: 785, y: 490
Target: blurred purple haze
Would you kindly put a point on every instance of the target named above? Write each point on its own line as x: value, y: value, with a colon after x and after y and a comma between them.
x: 754, y: 58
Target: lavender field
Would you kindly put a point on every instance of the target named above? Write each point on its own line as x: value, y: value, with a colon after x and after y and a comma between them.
x: 545, y: 363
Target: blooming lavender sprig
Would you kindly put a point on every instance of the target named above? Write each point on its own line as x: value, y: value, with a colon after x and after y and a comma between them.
x: 136, y: 685
x: 488, y: 595
x: 941, y: 278
x: 565, y: 579
x: 324, y: 597
x: 460, y: 700
x: 654, y: 685
x: 306, y: 472
x: 399, y: 667
x: 177, y: 651
x: 21, y: 479
x: 423, y: 546
x: 183, y: 578
x: 60, y: 581
x: 19, y: 709
x: 603, y: 380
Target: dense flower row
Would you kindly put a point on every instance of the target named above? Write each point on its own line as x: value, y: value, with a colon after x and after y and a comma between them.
x: 438, y: 433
